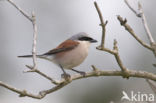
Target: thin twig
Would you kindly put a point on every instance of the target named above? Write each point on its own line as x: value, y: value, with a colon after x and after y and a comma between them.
x: 106, y: 49
x: 130, y: 30
x: 103, y: 25
x: 34, y: 41
x: 42, y: 74
x: 33, y: 21
x: 101, y: 47
x: 117, y: 57
x: 132, y: 9
x: 20, y: 10
x: 149, y: 35
x: 144, y: 21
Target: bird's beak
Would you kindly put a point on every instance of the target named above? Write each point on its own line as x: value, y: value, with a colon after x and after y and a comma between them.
x: 93, y: 41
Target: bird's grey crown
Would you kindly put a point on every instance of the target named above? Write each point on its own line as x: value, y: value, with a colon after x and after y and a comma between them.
x: 79, y: 35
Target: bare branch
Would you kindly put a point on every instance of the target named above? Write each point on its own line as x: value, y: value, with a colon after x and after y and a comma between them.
x: 115, y: 50
x: 149, y: 35
x: 130, y: 30
x: 34, y: 41
x: 117, y: 57
x: 105, y: 49
x: 144, y: 21
x: 103, y: 24
x: 33, y: 21
x: 20, y: 10
x: 42, y: 74
x: 131, y: 8
x: 21, y: 93
x: 96, y: 72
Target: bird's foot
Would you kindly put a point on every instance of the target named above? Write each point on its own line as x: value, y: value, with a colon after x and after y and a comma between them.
x: 82, y: 73
x: 66, y: 76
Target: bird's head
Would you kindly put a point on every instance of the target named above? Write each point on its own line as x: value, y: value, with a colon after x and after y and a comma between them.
x: 83, y: 37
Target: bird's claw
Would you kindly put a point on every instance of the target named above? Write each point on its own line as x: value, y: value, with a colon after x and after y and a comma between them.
x: 83, y: 73
x: 65, y: 76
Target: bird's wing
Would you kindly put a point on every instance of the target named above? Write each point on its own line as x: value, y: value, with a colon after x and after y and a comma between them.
x: 65, y: 46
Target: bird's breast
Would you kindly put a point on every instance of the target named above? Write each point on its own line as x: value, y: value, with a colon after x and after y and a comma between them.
x: 74, y: 57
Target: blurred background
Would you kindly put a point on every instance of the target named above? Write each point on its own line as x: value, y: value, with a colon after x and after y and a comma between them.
x: 59, y: 19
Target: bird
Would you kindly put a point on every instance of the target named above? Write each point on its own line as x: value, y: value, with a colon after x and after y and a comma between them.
x: 69, y: 54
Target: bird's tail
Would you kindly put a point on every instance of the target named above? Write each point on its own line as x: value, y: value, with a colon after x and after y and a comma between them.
x: 28, y: 56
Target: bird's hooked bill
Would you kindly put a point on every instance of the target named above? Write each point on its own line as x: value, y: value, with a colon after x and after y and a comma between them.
x: 93, y: 41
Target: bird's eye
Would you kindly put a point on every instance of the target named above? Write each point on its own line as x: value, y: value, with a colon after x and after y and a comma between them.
x: 85, y: 39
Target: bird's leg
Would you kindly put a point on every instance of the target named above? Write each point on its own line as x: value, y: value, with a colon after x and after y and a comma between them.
x: 64, y: 75
x: 81, y: 72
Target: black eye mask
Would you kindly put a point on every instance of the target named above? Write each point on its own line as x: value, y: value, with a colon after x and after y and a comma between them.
x: 85, y: 39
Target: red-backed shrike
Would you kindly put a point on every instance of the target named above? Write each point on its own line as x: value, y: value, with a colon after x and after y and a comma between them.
x: 71, y: 53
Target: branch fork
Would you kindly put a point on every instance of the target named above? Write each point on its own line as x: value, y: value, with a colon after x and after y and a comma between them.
x: 141, y: 15
x: 115, y: 48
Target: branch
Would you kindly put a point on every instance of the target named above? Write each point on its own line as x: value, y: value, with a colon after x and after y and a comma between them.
x: 131, y: 31
x: 32, y: 19
x: 34, y: 41
x: 117, y: 57
x: 132, y: 9
x: 95, y: 73
x: 20, y: 10
x: 42, y: 74
x: 103, y: 24
x: 142, y: 16
x: 102, y: 47
x: 144, y: 21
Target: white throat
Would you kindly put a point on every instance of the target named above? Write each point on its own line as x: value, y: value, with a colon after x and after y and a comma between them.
x: 85, y: 44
